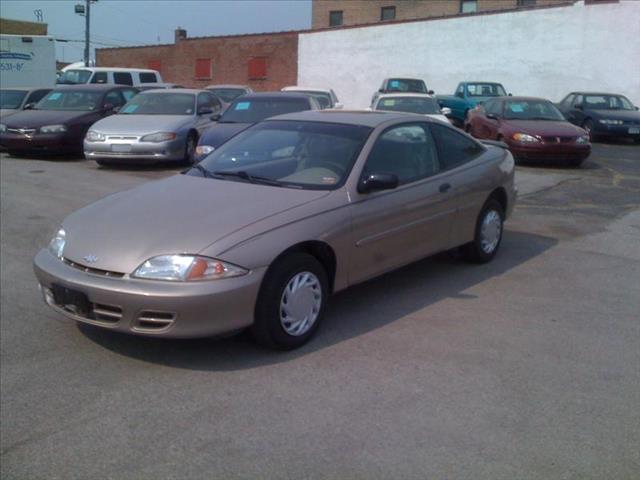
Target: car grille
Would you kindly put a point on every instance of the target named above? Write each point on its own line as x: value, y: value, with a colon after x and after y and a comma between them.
x: 558, y: 139
x: 93, y: 271
x: 122, y: 137
x: 22, y: 131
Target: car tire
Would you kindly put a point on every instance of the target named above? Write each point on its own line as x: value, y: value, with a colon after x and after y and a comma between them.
x: 190, y: 149
x: 488, y: 234
x: 588, y: 126
x: 275, y: 325
x: 103, y: 163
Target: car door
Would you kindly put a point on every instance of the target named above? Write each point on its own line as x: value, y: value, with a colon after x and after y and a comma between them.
x: 487, y: 120
x: 461, y: 158
x: 395, y: 227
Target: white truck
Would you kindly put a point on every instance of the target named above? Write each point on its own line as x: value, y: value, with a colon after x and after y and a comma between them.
x: 27, y: 61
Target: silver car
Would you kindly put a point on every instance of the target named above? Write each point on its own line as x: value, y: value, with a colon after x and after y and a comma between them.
x: 266, y: 227
x: 155, y: 125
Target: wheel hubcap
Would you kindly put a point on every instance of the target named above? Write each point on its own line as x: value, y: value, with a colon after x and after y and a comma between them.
x: 300, y: 303
x: 490, y: 231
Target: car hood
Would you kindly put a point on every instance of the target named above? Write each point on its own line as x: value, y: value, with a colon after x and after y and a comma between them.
x: 221, y: 132
x: 5, y: 112
x: 559, y: 128
x: 615, y: 114
x: 476, y: 100
x: 38, y: 118
x: 141, y: 124
x: 179, y: 214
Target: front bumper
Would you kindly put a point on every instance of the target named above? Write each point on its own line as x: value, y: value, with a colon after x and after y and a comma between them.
x: 153, y: 308
x: 40, y: 142
x: 136, y: 150
x: 618, y: 131
x: 547, y: 152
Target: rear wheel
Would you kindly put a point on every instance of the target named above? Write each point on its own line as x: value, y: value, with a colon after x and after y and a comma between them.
x: 291, y: 302
x: 488, y: 234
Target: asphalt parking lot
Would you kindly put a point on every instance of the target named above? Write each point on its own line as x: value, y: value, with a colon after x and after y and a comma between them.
x: 525, y: 368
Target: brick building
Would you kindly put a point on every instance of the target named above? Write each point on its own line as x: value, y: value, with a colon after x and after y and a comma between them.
x: 265, y: 62
x: 335, y: 13
x: 21, y: 27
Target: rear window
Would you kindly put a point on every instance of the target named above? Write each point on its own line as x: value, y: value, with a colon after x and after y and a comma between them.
x: 146, y: 77
x: 419, y: 105
x: 454, y: 149
x: 255, y: 110
x: 406, y: 85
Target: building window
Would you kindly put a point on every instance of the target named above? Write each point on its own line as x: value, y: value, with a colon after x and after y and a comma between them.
x: 203, y: 68
x: 526, y: 3
x: 468, y: 6
x: 387, y: 13
x: 335, y: 18
x: 154, y: 64
x: 257, y: 68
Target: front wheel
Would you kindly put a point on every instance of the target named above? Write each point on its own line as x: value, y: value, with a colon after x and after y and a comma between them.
x: 488, y: 234
x: 291, y: 302
x: 190, y: 149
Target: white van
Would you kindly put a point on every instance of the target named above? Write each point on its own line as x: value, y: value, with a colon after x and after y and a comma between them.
x: 121, y: 76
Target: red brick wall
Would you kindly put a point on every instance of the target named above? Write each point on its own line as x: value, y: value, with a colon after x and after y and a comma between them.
x: 230, y: 57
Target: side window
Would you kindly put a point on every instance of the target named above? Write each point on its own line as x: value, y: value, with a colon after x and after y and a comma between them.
x: 577, y: 100
x: 407, y: 151
x: 36, y: 96
x: 454, y: 149
x: 146, y: 77
x: 99, y: 77
x: 493, y: 107
x: 129, y: 94
x: 460, y: 91
x: 205, y: 101
x: 122, y: 78
x: 114, y: 97
x: 215, y: 103
x: 567, y: 102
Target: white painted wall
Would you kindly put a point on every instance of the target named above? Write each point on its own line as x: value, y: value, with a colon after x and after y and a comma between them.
x: 547, y: 53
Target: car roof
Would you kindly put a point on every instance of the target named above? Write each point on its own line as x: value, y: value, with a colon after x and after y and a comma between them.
x: 168, y: 91
x: 596, y: 93
x: 92, y: 87
x: 27, y: 89
x: 403, y: 78
x: 482, y: 81
x: 295, y: 88
x: 115, y: 69
x: 405, y: 94
x: 272, y: 95
x: 521, y: 98
x: 227, y: 85
x: 350, y: 117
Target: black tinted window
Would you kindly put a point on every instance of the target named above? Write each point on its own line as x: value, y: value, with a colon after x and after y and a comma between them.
x: 114, y: 98
x: 122, y: 78
x: 37, y: 96
x: 253, y: 110
x: 407, y: 151
x: 99, y: 77
x: 493, y: 107
x: 454, y: 149
x: 148, y: 78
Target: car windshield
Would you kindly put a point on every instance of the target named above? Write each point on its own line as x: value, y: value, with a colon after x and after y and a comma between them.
x: 227, y: 94
x: 70, y: 100
x: 11, y: 98
x: 75, y: 76
x: 160, y: 104
x: 485, y: 90
x: 423, y: 106
x: 531, y: 110
x: 324, y: 99
x: 406, y: 85
x: 607, y: 102
x: 257, y: 109
x: 310, y: 155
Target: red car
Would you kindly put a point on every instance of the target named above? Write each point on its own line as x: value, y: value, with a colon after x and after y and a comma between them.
x: 533, y: 128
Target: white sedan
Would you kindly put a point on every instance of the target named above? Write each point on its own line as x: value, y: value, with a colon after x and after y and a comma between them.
x: 420, y: 103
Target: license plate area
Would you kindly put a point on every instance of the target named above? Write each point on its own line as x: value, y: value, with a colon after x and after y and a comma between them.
x: 634, y: 130
x: 121, y: 147
x: 73, y: 301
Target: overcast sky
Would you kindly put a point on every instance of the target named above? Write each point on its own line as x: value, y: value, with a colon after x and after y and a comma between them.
x: 146, y: 22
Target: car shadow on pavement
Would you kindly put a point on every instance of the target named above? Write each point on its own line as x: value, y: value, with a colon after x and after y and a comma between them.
x: 351, y: 313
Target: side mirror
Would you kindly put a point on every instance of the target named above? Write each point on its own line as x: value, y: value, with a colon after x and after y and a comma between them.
x: 205, y: 110
x: 215, y: 117
x: 637, y: 108
x: 431, y: 92
x: 446, y: 111
x: 29, y: 106
x: 578, y: 107
x: 108, y: 107
x: 492, y: 116
x: 338, y: 106
x: 381, y: 90
x: 378, y: 181
x: 510, y: 94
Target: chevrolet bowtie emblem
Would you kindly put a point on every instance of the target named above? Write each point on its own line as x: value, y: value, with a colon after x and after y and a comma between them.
x: 90, y: 258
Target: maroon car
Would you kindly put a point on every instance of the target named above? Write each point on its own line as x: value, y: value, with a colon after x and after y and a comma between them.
x: 59, y: 122
x: 533, y: 128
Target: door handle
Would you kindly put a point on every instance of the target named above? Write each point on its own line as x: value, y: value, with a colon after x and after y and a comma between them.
x: 445, y: 187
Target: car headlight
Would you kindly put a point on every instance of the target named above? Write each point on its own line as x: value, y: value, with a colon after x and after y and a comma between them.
x: 56, y: 245
x: 159, y: 137
x: 53, y: 129
x: 3, y: 127
x: 524, y: 138
x: 582, y: 139
x: 186, y: 268
x: 93, y: 136
x: 609, y: 121
x: 204, y: 150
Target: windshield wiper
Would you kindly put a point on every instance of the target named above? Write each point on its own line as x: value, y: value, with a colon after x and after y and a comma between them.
x: 249, y: 178
x: 203, y: 171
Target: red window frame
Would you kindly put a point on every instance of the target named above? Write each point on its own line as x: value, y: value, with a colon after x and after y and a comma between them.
x: 203, y: 68
x: 257, y: 67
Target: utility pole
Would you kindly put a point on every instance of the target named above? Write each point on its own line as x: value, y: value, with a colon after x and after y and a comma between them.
x: 87, y: 17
